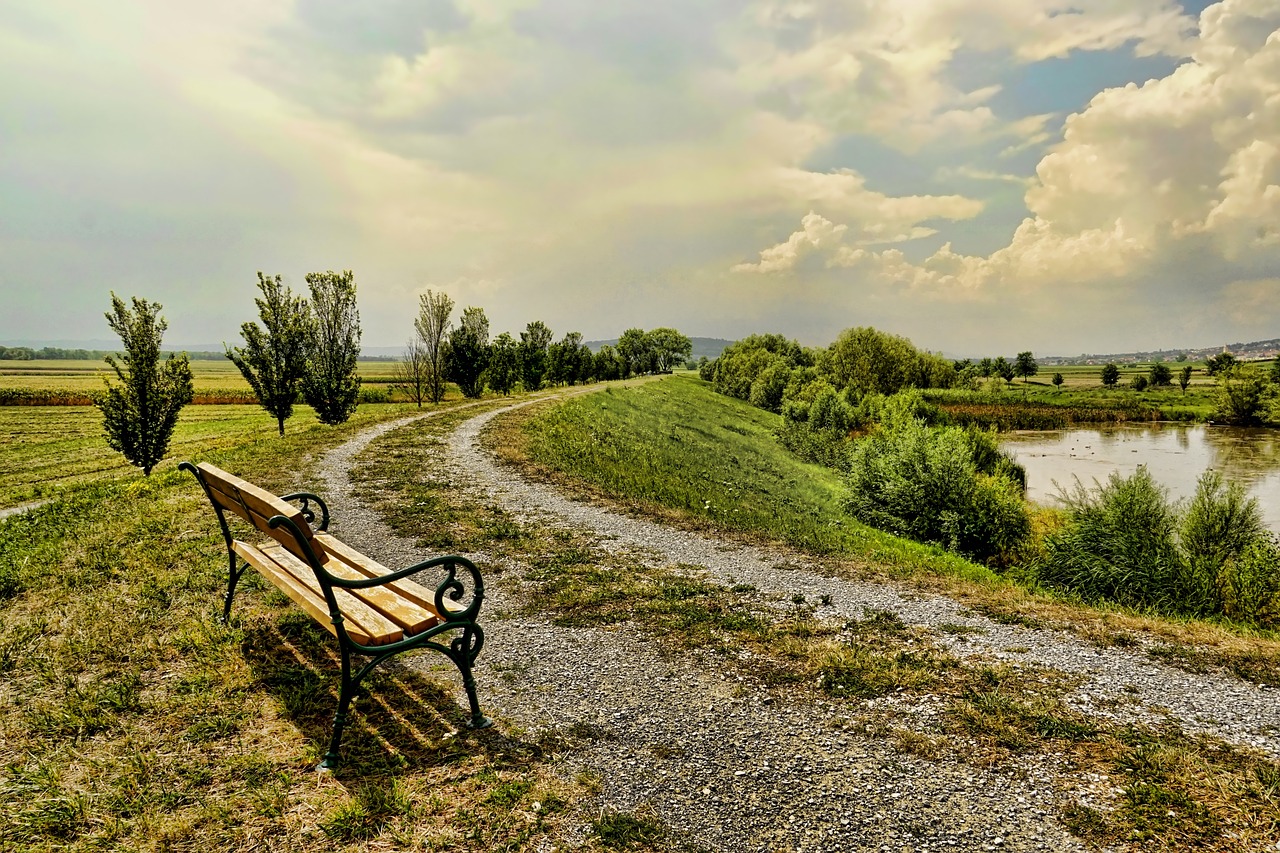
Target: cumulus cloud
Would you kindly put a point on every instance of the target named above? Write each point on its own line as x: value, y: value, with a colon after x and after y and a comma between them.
x: 1191, y: 160
x: 879, y: 66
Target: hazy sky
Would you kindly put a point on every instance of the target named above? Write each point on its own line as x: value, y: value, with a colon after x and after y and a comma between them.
x: 981, y: 176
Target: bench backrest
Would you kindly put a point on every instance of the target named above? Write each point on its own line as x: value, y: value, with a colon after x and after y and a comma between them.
x: 257, y: 506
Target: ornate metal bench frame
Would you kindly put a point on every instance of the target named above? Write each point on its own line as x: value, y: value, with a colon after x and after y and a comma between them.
x: 459, y: 572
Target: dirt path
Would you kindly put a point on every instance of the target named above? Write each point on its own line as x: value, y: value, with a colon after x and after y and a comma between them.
x: 739, y: 768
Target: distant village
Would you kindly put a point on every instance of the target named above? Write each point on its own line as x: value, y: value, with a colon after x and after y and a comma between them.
x: 1255, y: 351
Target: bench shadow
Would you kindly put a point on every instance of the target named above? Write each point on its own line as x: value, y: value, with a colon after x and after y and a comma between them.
x: 403, y: 720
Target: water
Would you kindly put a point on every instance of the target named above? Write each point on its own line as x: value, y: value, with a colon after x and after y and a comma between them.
x: 1176, y: 456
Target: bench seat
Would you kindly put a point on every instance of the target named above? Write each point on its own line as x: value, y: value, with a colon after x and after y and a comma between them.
x: 370, y: 609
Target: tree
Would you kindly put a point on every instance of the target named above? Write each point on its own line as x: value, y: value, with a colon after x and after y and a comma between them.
x: 1057, y: 381
x: 1160, y: 375
x: 1138, y: 383
x: 1110, y: 375
x: 669, y: 348
x: 410, y: 372
x: 534, y: 343
x: 273, y: 359
x: 331, y: 385
x: 1184, y: 377
x: 1243, y: 396
x: 986, y: 367
x: 1025, y: 366
x: 636, y: 351
x: 568, y: 361
x: 1274, y: 374
x: 1220, y: 363
x: 868, y: 360
x: 139, y: 414
x: 503, y: 364
x: 606, y: 364
x: 431, y: 324
x: 468, y: 352
x: 1004, y: 369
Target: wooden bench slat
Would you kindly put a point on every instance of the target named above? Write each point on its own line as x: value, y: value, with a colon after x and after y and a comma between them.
x: 304, y: 596
x: 405, y: 613
x: 371, y: 623
x: 256, y: 506
x: 404, y: 587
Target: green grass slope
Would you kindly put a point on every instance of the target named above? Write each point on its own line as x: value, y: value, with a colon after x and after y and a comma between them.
x: 678, y: 445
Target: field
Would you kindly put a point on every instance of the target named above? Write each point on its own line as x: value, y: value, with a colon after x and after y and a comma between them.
x: 132, y: 719
x: 50, y: 448
x: 1083, y: 392
x: 214, y: 380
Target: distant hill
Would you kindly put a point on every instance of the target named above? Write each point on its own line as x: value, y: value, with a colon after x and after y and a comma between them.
x: 709, y: 347
x: 1253, y: 351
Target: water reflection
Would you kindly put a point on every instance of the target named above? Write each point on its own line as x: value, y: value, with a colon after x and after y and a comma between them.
x: 1176, y: 456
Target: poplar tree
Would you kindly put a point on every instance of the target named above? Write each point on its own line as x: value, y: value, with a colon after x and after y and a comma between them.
x: 331, y: 385
x: 273, y: 359
x: 139, y: 414
x: 432, y: 324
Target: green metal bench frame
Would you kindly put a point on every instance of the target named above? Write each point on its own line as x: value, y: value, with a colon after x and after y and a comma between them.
x: 459, y: 572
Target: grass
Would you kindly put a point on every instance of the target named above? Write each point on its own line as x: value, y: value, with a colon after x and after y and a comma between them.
x: 993, y: 714
x: 669, y: 448
x: 678, y: 450
x: 131, y: 718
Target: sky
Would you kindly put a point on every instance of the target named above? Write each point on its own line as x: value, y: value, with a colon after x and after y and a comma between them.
x: 982, y: 177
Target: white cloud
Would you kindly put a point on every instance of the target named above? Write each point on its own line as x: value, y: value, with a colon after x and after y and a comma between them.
x: 1192, y: 159
x: 880, y: 66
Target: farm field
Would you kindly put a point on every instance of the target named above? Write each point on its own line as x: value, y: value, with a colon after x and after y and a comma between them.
x: 49, y: 448
x: 87, y: 376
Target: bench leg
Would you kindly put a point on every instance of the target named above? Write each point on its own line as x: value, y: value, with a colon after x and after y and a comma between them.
x: 233, y: 578
x: 333, y: 757
x: 463, y: 651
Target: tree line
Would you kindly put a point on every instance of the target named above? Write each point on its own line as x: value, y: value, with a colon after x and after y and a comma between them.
x: 306, y: 349
x: 463, y: 354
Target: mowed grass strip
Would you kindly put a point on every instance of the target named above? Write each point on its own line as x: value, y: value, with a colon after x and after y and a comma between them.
x: 130, y: 718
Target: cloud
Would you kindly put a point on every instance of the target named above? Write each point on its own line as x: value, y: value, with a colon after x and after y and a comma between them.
x: 1187, y: 162
x: 880, y: 67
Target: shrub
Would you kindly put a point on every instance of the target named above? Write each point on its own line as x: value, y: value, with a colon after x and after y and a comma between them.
x: 1243, y: 396
x: 936, y: 485
x: 1119, y: 545
x: 766, y: 389
x: 1125, y: 542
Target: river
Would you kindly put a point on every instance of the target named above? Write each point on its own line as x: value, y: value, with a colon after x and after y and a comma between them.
x: 1175, y: 455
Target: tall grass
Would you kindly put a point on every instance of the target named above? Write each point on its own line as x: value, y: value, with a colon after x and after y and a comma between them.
x: 1125, y: 542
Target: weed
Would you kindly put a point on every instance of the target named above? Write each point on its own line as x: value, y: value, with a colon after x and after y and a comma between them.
x: 622, y: 831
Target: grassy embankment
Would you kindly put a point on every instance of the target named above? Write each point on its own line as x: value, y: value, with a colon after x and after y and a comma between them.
x: 675, y: 450
x: 130, y: 718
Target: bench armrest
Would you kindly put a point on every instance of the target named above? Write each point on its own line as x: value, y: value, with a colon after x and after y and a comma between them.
x: 453, y: 588
x: 304, y: 501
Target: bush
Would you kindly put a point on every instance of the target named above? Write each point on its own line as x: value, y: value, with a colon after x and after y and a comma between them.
x: 1119, y: 545
x: 1125, y: 542
x: 937, y: 485
x: 374, y: 395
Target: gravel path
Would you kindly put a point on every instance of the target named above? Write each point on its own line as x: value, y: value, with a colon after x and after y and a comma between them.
x: 740, y: 769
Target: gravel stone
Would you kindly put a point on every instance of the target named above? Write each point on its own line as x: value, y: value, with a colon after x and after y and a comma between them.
x: 734, y: 767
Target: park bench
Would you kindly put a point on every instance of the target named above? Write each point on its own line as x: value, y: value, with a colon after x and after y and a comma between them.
x: 373, y: 611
